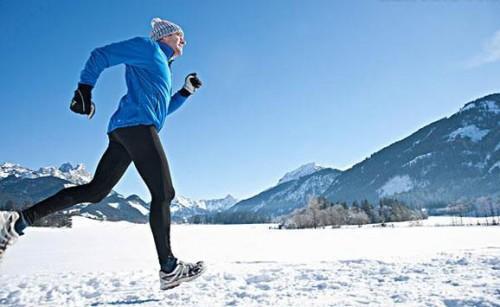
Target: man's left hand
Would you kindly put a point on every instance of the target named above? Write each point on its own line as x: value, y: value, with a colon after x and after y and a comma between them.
x: 192, y: 83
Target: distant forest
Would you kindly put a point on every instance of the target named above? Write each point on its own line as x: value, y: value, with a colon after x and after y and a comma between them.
x: 321, y: 212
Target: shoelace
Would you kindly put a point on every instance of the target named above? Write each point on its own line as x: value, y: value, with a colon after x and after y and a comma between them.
x: 184, y: 270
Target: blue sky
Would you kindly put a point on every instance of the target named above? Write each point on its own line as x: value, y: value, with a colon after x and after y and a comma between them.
x: 285, y: 82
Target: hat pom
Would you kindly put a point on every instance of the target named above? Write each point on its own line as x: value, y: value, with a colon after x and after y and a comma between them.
x: 155, y: 21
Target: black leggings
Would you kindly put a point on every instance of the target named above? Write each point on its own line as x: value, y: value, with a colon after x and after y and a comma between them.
x: 142, y: 145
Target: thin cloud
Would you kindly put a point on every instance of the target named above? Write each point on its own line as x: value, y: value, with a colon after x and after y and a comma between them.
x: 489, y: 54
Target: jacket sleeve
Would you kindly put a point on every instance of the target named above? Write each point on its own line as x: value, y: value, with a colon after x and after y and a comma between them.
x: 136, y: 52
x: 177, y: 101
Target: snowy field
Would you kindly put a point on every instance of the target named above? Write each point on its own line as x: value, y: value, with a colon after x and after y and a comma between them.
x: 114, y: 263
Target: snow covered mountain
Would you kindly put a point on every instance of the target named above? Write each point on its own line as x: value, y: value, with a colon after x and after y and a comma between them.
x: 116, y: 207
x: 75, y: 174
x: 20, y: 187
x: 289, y: 195
x: 183, y: 208
x: 455, y: 158
x: 218, y: 205
x: 302, y: 171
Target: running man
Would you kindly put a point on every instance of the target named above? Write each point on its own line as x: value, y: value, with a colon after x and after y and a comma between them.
x: 133, y: 137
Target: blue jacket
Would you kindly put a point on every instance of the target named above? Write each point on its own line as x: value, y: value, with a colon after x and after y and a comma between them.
x: 149, y: 81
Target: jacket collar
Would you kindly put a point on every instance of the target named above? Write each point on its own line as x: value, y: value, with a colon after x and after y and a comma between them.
x: 169, y: 52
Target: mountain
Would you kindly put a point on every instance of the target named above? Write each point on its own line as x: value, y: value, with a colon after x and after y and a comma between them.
x: 289, y: 195
x: 454, y: 159
x: 20, y: 187
x: 116, y: 207
x: 183, y: 208
x: 75, y: 174
x: 302, y: 171
x: 222, y: 204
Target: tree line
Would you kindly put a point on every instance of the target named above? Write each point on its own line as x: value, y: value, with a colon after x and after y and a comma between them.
x: 321, y: 212
x: 224, y: 217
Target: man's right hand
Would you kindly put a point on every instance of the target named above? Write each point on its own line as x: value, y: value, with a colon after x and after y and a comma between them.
x: 82, y: 100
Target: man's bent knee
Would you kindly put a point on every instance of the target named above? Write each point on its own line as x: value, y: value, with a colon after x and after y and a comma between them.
x: 95, y: 198
x: 95, y: 195
x: 165, y: 197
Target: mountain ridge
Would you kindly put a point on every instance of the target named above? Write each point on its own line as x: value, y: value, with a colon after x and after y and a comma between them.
x: 459, y: 155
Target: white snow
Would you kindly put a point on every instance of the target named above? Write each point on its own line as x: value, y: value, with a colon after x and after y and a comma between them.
x: 491, y: 106
x: 302, y: 171
x: 114, y: 263
x: 189, y: 203
x: 181, y: 203
x: 114, y: 205
x: 314, y: 185
x: 419, y: 141
x: 74, y: 174
x: 471, y: 131
x: 90, y: 216
x: 468, y: 107
x: 496, y: 165
x: 497, y: 147
x: 480, y: 164
x: 8, y: 169
x: 486, y: 105
x: 138, y: 207
x: 396, y: 184
x: 220, y: 204
x: 416, y: 159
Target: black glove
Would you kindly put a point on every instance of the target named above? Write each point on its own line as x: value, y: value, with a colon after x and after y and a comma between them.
x: 82, y: 100
x: 191, y: 84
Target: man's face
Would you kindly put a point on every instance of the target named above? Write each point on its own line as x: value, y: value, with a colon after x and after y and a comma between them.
x: 175, y: 41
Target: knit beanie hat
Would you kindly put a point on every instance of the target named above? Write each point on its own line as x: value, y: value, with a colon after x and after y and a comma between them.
x: 162, y: 27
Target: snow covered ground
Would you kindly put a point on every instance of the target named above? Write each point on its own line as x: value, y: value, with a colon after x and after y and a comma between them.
x: 114, y: 263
